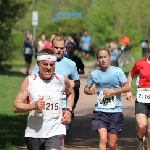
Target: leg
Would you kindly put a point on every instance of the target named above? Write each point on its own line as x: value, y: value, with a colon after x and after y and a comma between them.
x: 148, y: 135
x: 83, y: 55
x: 87, y: 55
x: 103, y: 138
x: 112, y: 138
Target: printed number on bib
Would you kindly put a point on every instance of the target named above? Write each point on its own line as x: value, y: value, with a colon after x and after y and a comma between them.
x: 106, y: 101
x: 28, y: 51
x: 52, y: 108
x: 143, y: 95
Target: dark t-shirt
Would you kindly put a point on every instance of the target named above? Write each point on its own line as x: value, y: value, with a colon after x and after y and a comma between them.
x: 78, y: 61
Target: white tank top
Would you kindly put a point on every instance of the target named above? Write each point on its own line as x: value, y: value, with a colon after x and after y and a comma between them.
x: 46, y: 123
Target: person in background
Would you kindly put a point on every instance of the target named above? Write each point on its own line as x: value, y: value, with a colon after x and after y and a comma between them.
x: 70, y: 48
x: 48, y: 44
x: 85, y: 45
x: 28, y: 51
x: 144, y: 47
x: 114, y: 54
x: 41, y: 43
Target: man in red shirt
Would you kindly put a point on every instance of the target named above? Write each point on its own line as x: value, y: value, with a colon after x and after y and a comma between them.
x: 142, y: 103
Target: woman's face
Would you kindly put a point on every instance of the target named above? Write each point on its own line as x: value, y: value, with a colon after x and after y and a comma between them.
x: 103, y: 58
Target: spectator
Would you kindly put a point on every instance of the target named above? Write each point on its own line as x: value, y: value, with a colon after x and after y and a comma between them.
x: 144, y: 47
x: 85, y: 44
x: 41, y: 43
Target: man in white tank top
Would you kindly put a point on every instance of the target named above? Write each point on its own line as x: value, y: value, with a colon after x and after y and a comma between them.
x: 46, y: 120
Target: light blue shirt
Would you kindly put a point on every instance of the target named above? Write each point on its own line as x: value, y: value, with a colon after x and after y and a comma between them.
x: 114, y: 55
x: 65, y: 67
x: 86, y: 42
x: 112, y: 79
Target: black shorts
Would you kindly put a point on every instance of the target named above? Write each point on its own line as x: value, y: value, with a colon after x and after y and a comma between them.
x: 142, y: 108
x: 54, y: 142
x: 28, y: 58
x: 110, y: 121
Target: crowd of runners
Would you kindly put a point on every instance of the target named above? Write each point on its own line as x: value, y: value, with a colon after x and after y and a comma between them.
x: 51, y: 92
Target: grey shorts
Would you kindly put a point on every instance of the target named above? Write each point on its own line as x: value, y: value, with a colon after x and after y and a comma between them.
x: 44, y: 143
x: 142, y: 108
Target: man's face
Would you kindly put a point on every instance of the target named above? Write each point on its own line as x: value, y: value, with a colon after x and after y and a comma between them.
x: 46, y: 68
x: 70, y: 49
x: 59, y: 48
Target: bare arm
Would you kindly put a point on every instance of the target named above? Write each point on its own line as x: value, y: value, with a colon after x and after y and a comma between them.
x: 19, y: 105
x: 69, y: 93
x: 89, y: 91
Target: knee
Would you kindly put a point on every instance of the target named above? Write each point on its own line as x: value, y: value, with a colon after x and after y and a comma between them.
x: 112, y: 145
x: 148, y: 131
x: 142, y: 126
x: 103, y: 140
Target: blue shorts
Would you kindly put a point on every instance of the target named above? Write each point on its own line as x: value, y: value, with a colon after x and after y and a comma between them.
x: 111, y: 121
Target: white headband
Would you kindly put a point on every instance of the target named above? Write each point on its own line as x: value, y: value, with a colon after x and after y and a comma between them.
x: 46, y: 57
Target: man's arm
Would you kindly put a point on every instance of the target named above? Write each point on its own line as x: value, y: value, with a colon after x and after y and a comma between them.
x: 69, y: 93
x: 20, y: 106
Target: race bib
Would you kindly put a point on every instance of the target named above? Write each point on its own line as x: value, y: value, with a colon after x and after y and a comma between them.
x: 28, y: 51
x: 106, y: 101
x: 143, y: 44
x: 143, y: 95
x: 52, y: 107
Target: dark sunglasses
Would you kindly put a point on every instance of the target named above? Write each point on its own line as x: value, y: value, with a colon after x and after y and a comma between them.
x: 59, y: 47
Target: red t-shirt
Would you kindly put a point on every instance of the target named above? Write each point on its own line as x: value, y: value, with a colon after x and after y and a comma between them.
x: 142, y: 67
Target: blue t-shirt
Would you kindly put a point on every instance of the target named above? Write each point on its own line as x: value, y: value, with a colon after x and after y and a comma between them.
x: 114, y: 55
x: 64, y: 67
x: 112, y: 79
x: 86, y: 42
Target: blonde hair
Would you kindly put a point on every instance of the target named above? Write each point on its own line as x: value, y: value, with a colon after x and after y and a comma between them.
x: 59, y: 38
x: 102, y: 49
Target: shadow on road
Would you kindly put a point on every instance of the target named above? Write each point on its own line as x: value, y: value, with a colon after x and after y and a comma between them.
x: 81, y: 135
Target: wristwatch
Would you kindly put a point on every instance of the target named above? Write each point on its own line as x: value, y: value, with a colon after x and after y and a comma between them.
x: 68, y: 109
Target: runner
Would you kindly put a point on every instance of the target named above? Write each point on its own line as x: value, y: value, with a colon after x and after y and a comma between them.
x: 70, y: 48
x: 45, y: 123
x: 142, y: 104
x: 64, y: 66
x: 110, y: 82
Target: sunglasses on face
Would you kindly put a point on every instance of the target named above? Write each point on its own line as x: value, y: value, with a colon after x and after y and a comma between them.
x: 59, y: 47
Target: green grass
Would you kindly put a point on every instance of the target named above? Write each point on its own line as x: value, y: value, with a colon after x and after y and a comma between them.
x: 12, y: 125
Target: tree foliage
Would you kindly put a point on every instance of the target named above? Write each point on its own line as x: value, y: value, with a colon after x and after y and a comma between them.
x: 10, y: 12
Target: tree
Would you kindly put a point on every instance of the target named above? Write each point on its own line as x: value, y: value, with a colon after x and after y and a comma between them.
x: 10, y: 12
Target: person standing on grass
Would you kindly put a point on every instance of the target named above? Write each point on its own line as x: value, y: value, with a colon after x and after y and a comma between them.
x: 46, y: 120
x: 142, y: 102
x: 41, y: 43
x: 28, y: 51
x: 70, y: 48
x: 110, y: 82
x: 144, y: 47
x: 85, y: 45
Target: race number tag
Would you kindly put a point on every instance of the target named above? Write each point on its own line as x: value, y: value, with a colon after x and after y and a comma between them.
x: 52, y: 107
x: 28, y: 51
x: 122, y: 48
x: 106, y: 101
x: 143, y: 95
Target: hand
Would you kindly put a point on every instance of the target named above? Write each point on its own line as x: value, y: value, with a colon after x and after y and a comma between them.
x: 93, y: 91
x: 66, y: 118
x: 129, y: 96
x: 108, y: 92
x: 40, y: 104
x: 72, y: 83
